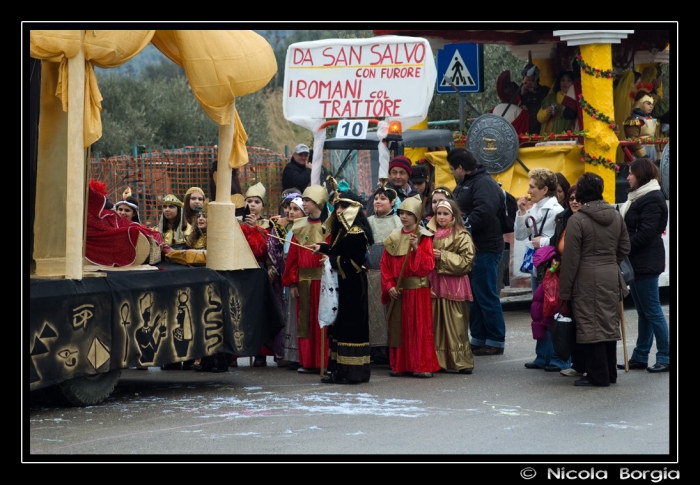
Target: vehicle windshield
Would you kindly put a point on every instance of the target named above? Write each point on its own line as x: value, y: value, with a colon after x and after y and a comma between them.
x: 358, y: 168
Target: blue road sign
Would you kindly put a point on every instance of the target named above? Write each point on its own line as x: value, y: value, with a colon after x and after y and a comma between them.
x: 462, y: 65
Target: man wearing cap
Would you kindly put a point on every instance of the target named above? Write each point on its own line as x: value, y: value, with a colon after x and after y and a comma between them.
x: 400, y: 171
x: 419, y: 179
x: 297, y: 173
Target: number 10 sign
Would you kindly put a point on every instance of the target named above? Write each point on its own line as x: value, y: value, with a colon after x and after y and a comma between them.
x: 352, y: 129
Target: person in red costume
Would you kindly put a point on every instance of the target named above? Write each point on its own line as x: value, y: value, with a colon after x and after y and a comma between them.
x: 509, y: 108
x: 110, y: 239
x: 302, y: 274
x: 256, y: 230
x: 411, y: 337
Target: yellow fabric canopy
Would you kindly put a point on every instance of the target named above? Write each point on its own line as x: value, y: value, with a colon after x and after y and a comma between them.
x: 219, y: 65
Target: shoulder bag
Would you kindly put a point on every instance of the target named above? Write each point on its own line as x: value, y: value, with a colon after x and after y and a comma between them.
x: 627, y: 271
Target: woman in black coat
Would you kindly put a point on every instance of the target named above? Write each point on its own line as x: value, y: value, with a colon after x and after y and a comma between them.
x: 646, y: 215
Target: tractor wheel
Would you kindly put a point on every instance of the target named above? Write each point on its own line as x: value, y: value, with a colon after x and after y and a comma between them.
x: 89, y: 390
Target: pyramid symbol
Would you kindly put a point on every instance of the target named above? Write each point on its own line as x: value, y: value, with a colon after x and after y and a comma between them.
x: 457, y: 72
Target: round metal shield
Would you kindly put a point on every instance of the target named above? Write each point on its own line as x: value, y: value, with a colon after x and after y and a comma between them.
x: 494, y: 142
x: 664, y: 165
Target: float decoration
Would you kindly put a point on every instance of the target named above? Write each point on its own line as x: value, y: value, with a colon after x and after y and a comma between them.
x: 593, y: 71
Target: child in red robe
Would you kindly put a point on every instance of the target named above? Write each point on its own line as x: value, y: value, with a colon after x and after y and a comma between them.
x: 411, y: 338
x: 302, y: 274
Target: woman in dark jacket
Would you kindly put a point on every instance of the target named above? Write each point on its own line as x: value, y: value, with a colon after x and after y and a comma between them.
x: 646, y: 214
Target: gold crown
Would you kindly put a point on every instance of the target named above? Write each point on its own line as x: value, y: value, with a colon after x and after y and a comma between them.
x: 170, y: 199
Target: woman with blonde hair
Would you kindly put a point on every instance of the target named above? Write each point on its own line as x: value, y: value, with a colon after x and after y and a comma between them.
x: 545, y: 207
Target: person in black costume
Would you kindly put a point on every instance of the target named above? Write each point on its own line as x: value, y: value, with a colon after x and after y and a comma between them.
x: 351, y: 237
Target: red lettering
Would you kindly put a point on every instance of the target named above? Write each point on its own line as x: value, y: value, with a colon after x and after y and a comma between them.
x: 341, y: 57
x: 325, y: 107
x: 379, y: 56
x: 301, y: 86
x: 368, y: 104
x: 334, y: 110
x: 330, y: 63
x: 387, y: 107
x: 357, y: 55
x: 397, y: 106
x: 326, y: 86
x: 302, y: 56
x: 357, y: 103
x: 377, y: 108
x: 396, y: 54
x: 313, y: 91
x: 338, y: 90
x: 418, y: 50
x: 353, y: 90
x: 347, y: 110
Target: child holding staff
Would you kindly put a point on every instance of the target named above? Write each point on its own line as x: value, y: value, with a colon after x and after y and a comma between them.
x: 410, y: 317
x: 302, y: 274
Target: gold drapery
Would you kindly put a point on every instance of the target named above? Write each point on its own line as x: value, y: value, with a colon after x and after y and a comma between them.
x: 219, y: 65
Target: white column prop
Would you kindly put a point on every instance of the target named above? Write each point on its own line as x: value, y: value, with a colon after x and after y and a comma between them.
x: 227, y: 248
x: 75, y: 183
x: 317, y: 162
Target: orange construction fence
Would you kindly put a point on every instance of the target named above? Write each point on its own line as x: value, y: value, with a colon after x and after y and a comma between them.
x: 152, y: 175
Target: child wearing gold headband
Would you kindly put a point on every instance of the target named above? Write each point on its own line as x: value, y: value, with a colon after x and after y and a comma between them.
x: 453, y: 250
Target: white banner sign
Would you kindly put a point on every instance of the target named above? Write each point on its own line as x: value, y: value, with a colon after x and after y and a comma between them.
x: 382, y: 77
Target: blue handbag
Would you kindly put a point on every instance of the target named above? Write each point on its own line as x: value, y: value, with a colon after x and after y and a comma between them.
x: 529, y: 258
x: 528, y: 261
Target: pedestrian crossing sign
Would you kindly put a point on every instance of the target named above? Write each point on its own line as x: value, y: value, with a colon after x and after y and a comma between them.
x: 461, y: 66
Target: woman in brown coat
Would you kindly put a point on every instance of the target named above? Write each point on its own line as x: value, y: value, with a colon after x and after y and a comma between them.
x: 596, y: 241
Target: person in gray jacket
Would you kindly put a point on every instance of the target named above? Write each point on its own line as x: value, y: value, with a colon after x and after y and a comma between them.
x: 596, y: 241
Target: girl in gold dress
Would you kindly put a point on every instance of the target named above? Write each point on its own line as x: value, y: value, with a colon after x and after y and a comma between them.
x: 454, y: 252
x: 172, y: 224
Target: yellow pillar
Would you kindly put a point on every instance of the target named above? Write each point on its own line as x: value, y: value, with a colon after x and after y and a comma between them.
x: 600, y: 140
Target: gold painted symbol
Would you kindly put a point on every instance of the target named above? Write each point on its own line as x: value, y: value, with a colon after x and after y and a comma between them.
x: 69, y: 357
x: 98, y: 353
x: 81, y: 315
x: 490, y: 145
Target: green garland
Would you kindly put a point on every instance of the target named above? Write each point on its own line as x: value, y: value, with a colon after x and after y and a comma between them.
x: 607, y: 74
x: 568, y: 135
x: 606, y: 162
x: 597, y: 115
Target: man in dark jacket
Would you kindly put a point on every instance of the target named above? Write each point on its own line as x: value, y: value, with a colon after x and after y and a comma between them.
x: 480, y: 199
x: 297, y: 173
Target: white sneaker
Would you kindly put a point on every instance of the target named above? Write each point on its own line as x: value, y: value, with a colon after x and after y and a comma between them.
x: 570, y: 372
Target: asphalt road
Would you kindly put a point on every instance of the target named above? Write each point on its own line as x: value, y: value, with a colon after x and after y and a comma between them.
x: 503, y: 410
